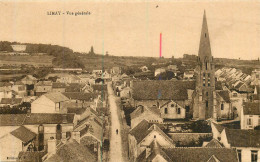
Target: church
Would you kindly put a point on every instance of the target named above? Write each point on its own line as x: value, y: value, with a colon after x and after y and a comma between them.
x: 202, y: 99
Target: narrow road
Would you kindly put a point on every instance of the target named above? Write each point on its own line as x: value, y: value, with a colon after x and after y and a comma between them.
x: 115, y: 139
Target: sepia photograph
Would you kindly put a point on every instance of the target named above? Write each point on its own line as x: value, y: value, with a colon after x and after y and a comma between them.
x: 130, y: 81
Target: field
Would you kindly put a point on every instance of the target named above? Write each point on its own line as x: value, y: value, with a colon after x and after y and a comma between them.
x: 43, y: 60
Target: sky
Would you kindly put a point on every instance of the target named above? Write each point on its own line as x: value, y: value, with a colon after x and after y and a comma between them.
x: 132, y: 28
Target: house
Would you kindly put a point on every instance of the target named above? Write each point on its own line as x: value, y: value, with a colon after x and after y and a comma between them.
x: 246, y: 142
x: 150, y: 114
x: 83, y: 113
x: 29, y: 80
x: 58, y: 87
x: 143, y: 135
x: 58, y: 126
x: 43, y: 87
x: 70, y: 151
x: 224, y: 103
x: 172, y: 110
x: 155, y: 152
x: 53, y: 102
x: 125, y: 92
x: 6, y: 92
x: 20, y: 139
x: 75, y: 87
x: 241, y: 87
x: 35, y: 156
x: 80, y: 99
x: 19, y: 88
x: 159, y: 71
x: 158, y: 92
x: 255, y: 77
x: 11, y: 102
x: 115, y: 70
x: 68, y: 78
x: 250, y: 115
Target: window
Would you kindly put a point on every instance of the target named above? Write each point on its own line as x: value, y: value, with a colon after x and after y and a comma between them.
x: 253, y: 156
x: 208, y: 84
x: 172, y: 105
x: 179, y: 111
x: 222, y: 106
x: 205, y: 35
x: 249, y: 121
x: 239, y: 155
x: 204, y: 74
x: 206, y: 66
x: 203, y: 84
x: 207, y: 104
x: 207, y: 93
x: 208, y: 74
x: 234, y: 94
x: 165, y: 111
x: 154, y: 136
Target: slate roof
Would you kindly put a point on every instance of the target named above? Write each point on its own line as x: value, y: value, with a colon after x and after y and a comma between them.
x: 77, y: 111
x: 218, y: 127
x: 218, y: 85
x: 224, y: 95
x: 56, y: 96
x: 58, y: 85
x: 138, y: 111
x: 81, y: 95
x: 214, y: 144
x: 99, y: 87
x: 155, y: 150
x: 73, y: 151
x: 11, y: 101
x: 74, y: 87
x: 243, y: 138
x: 35, y: 156
x: 5, y: 84
x: 162, y: 90
x: 23, y: 134
x: 201, y: 154
x: 35, y: 119
x: 44, y: 83
x: 251, y: 108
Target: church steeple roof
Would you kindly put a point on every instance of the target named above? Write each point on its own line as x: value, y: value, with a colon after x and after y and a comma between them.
x: 204, y: 48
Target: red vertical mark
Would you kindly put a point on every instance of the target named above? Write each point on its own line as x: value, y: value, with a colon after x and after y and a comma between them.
x: 160, y: 44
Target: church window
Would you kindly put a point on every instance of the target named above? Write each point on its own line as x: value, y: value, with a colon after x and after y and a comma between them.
x: 179, y: 111
x: 222, y: 106
x: 207, y: 104
x: 165, y: 111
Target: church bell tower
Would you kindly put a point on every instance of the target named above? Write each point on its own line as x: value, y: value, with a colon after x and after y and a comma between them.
x: 204, y: 102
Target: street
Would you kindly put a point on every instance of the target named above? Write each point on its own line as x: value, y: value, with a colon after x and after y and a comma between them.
x: 115, y: 139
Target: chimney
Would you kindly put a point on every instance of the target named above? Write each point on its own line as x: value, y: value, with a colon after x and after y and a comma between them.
x: 52, y: 145
x: 147, y: 151
x: 76, y: 136
x: 64, y: 119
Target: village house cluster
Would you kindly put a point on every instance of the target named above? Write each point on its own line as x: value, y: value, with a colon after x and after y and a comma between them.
x: 51, y: 119
x: 208, y: 115
x: 203, y: 114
